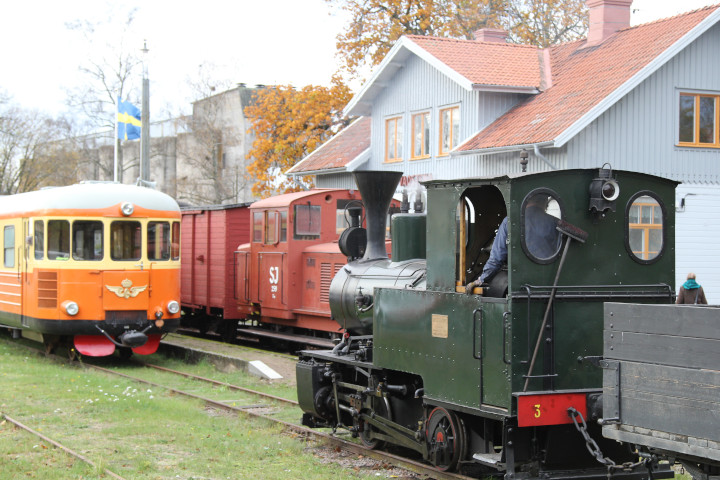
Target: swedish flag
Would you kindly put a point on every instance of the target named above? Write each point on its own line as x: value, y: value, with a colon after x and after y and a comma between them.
x: 128, y: 121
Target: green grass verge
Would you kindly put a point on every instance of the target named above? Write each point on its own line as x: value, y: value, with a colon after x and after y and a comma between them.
x: 137, y: 431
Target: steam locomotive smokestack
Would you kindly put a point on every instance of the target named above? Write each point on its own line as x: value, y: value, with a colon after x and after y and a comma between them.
x: 376, y: 189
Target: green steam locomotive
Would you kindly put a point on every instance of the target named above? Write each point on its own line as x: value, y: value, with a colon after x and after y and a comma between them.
x: 499, y: 377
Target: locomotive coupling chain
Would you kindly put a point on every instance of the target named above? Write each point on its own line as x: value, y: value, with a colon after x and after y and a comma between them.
x: 594, y: 449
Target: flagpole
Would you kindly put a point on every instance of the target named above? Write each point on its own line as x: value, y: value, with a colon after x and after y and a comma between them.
x: 145, y: 127
x: 116, y: 140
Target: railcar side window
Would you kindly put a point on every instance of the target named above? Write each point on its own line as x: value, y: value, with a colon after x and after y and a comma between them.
x: 158, y: 241
x: 39, y: 241
x: 9, y: 245
x: 257, y: 227
x: 58, y: 240
x: 307, y: 222
x: 645, y: 230
x: 540, y: 239
x: 87, y: 240
x: 175, y: 250
x: 125, y: 240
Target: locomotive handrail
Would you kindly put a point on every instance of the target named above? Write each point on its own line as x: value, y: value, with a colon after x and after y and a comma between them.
x: 658, y: 290
x: 504, y: 338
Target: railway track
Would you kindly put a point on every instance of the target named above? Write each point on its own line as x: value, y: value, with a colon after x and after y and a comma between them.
x: 255, y: 410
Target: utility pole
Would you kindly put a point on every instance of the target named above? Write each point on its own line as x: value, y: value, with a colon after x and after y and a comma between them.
x: 145, y: 132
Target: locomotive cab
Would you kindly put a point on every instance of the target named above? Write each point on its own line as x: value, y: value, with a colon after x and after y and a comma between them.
x: 486, y: 378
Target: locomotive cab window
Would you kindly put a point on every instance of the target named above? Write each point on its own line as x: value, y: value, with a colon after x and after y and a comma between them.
x: 541, y: 211
x: 9, y: 245
x: 125, y: 240
x: 58, y: 240
x: 307, y: 222
x: 257, y: 227
x: 283, y: 226
x: 87, y: 240
x: 645, y: 227
x: 271, y: 228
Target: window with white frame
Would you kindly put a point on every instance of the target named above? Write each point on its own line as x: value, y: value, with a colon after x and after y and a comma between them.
x: 449, y: 129
x: 420, y: 135
x: 393, y: 139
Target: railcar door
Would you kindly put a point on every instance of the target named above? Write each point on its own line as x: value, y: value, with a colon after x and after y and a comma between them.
x: 23, y: 260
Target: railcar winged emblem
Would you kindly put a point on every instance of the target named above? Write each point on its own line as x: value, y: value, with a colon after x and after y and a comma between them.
x: 126, y: 290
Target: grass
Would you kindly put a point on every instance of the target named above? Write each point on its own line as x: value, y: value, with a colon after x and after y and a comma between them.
x: 137, y: 431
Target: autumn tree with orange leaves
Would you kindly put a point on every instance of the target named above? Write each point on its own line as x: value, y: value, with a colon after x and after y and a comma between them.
x: 289, y: 124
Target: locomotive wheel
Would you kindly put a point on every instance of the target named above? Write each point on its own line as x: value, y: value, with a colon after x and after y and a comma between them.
x: 445, y: 436
x: 381, y: 408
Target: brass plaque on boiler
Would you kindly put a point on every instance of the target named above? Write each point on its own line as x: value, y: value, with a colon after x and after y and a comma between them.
x: 439, y: 326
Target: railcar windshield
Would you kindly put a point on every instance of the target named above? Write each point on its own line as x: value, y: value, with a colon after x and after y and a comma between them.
x: 158, y: 241
x: 58, y: 240
x: 87, y: 240
x: 125, y: 240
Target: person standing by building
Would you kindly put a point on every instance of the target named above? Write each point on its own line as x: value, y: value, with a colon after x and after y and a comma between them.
x: 691, y: 292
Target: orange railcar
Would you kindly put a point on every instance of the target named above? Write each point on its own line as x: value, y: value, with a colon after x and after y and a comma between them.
x: 98, y: 263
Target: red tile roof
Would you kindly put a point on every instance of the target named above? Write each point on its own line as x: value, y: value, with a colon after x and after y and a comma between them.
x: 486, y: 63
x: 341, y: 149
x: 582, y: 78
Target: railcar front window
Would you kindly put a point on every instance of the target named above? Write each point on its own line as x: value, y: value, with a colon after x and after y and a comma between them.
x: 645, y: 228
x: 87, y: 240
x: 158, y: 241
x: 9, y: 244
x: 175, y: 250
x: 125, y: 240
x: 39, y: 240
x: 58, y: 240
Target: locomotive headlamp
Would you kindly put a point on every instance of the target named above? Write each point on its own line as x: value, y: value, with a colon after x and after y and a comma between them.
x: 604, y: 191
x: 127, y: 209
x: 173, y: 307
x: 71, y: 308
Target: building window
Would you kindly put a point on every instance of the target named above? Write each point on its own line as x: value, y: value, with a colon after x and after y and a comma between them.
x: 421, y: 135
x: 645, y: 228
x: 699, y: 120
x: 449, y: 129
x: 393, y: 139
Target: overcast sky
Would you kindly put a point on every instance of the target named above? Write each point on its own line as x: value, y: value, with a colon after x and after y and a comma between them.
x: 250, y: 41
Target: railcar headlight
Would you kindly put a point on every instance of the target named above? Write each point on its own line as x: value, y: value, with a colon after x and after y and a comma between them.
x: 127, y: 209
x: 173, y: 307
x: 71, y: 308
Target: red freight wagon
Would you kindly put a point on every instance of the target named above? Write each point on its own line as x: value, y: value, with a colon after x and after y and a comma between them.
x: 210, y: 238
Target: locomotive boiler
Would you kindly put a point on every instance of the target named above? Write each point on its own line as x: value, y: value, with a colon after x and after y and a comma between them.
x: 501, y: 378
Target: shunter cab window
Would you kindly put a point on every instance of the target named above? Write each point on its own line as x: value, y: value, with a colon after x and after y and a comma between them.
x: 125, y: 240
x: 257, y: 227
x: 158, y: 241
x: 9, y: 245
x: 271, y: 228
x: 307, y: 222
x: 58, y: 240
x: 283, y: 226
x: 87, y: 240
x: 39, y: 241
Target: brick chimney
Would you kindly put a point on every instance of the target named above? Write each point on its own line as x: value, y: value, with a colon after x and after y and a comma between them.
x: 493, y: 35
x: 606, y: 18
